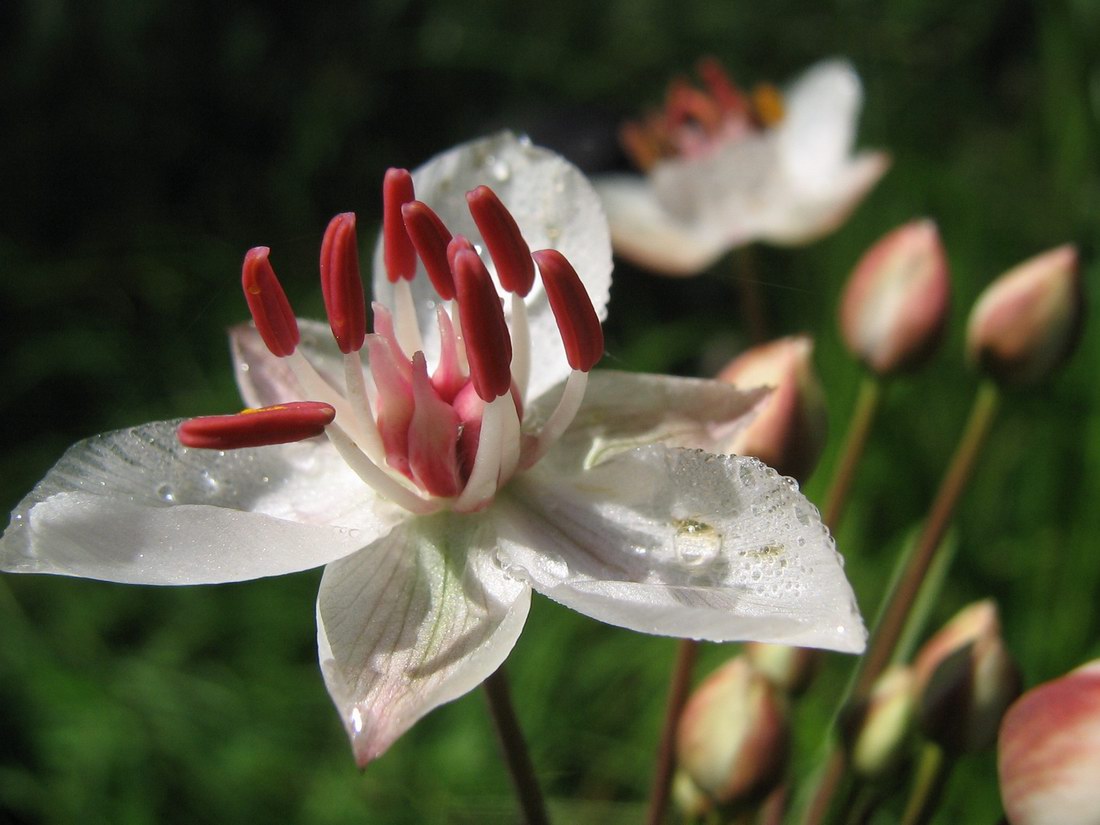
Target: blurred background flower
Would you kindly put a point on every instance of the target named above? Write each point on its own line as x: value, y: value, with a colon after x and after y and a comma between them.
x: 146, y: 145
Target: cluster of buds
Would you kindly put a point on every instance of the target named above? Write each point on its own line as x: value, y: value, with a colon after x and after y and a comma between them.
x: 695, y: 119
x: 788, y: 432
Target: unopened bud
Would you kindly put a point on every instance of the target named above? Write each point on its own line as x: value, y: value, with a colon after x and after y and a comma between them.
x: 1026, y: 323
x: 966, y: 678
x: 877, y: 731
x: 1048, y: 752
x: 788, y: 668
x: 692, y: 802
x: 894, y: 308
x: 733, y: 735
x: 788, y: 432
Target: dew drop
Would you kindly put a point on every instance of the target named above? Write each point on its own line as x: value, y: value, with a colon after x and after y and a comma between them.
x: 499, y: 168
x: 165, y: 492
x: 695, y: 543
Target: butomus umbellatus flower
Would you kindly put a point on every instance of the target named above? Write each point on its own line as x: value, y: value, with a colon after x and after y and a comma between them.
x: 454, y: 458
x: 723, y: 168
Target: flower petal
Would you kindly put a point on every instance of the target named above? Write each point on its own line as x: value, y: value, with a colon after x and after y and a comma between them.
x: 646, y: 233
x: 554, y: 206
x: 263, y: 379
x: 624, y: 410
x: 682, y: 543
x: 417, y: 619
x: 136, y: 506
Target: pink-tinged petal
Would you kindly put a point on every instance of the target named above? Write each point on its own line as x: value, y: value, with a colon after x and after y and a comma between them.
x: 415, y: 620
x: 1049, y: 752
x: 554, y: 206
x: 681, y: 543
x: 136, y: 506
x: 264, y: 380
x: 624, y: 410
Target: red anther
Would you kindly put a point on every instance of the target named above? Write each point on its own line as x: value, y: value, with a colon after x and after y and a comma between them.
x: 577, y: 320
x: 398, y: 251
x: 721, y: 86
x: 342, y: 285
x: 686, y: 104
x: 488, y: 344
x: 458, y: 244
x: 430, y: 237
x: 268, y: 303
x: 510, y: 253
x: 280, y: 424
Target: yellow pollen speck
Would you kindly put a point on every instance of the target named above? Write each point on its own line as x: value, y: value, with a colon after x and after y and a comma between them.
x: 254, y: 290
x: 767, y: 104
x: 250, y: 410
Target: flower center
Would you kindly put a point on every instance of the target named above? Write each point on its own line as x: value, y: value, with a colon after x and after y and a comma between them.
x: 448, y: 437
x: 696, y: 121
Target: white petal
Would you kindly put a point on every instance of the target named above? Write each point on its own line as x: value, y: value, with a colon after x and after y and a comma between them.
x: 819, y: 126
x: 417, y: 619
x: 264, y: 380
x: 645, y: 232
x: 555, y: 207
x: 683, y: 543
x: 624, y: 410
x: 136, y: 506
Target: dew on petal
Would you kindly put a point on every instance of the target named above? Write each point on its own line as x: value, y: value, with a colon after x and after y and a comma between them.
x: 166, y: 492
x: 695, y: 543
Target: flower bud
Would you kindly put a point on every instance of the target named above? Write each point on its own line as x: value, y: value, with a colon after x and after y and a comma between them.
x: 877, y: 731
x: 1026, y: 323
x: 1049, y: 752
x: 733, y: 735
x: 788, y: 668
x: 692, y: 802
x: 966, y: 678
x: 895, y: 305
x: 788, y: 432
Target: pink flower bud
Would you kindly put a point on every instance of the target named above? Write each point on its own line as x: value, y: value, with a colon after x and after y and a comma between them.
x: 894, y: 308
x: 966, y: 678
x: 788, y: 668
x: 1049, y: 752
x: 733, y: 735
x: 1026, y: 323
x: 788, y: 432
x: 877, y: 731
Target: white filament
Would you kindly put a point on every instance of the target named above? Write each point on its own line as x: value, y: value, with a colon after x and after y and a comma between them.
x: 376, y: 478
x: 482, y: 483
x: 561, y: 417
x: 406, y: 326
x: 521, y: 345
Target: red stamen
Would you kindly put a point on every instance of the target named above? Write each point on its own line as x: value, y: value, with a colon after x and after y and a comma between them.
x: 510, y: 253
x: 430, y: 237
x: 686, y: 105
x: 280, y: 424
x: 342, y: 285
x: 577, y: 320
x: 398, y: 251
x: 268, y: 303
x: 721, y: 86
x: 488, y: 344
x: 459, y: 243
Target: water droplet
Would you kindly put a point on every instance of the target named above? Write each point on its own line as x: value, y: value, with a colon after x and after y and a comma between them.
x: 165, y: 492
x: 695, y: 543
x: 209, y: 483
x: 499, y: 168
x: 245, y: 367
x: 553, y: 232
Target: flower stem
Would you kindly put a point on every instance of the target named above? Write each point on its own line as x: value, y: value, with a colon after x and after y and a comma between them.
x: 752, y: 299
x: 892, y: 621
x: 932, y: 772
x: 686, y: 654
x: 516, y: 755
x: 855, y: 440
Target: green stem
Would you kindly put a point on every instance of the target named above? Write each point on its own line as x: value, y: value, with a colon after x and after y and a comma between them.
x: 855, y: 440
x: 514, y: 747
x: 686, y: 654
x: 892, y: 621
x: 751, y: 298
x: 932, y: 772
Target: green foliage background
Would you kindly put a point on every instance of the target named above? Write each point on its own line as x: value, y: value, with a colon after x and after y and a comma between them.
x: 145, y: 146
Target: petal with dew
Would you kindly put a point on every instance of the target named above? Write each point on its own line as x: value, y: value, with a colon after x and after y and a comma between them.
x: 417, y: 619
x: 263, y: 379
x: 682, y: 543
x: 136, y: 506
x: 554, y: 206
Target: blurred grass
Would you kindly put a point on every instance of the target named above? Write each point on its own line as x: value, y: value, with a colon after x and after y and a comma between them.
x: 146, y: 146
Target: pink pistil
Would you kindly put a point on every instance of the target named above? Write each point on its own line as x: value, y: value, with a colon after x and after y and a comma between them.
x: 433, y: 436
x: 342, y: 285
x: 398, y: 250
x: 430, y: 237
x: 488, y: 344
x: 507, y: 248
x: 577, y: 320
x: 448, y: 377
x: 268, y: 303
x: 280, y: 424
x: 395, y: 401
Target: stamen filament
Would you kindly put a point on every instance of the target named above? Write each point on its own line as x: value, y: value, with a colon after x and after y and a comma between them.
x: 482, y: 483
x: 375, y: 477
x: 366, y: 427
x: 509, y: 441
x: 561, y: 417
x: 406, y: 326
x: 521, y: 345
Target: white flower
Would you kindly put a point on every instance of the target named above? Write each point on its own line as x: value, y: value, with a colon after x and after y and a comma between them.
x: 787, y: 178
x: 426, y: 588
